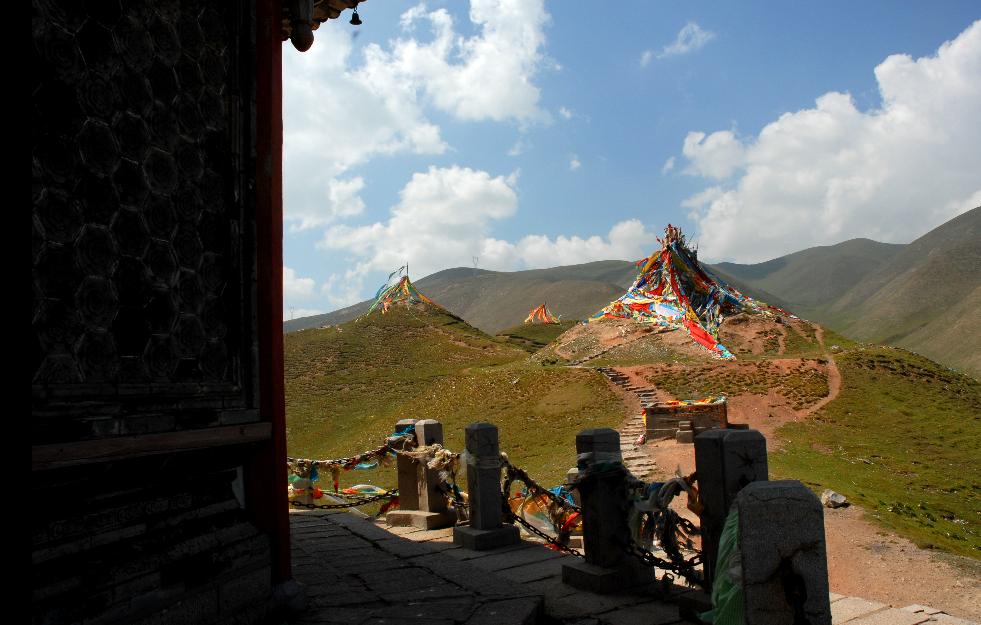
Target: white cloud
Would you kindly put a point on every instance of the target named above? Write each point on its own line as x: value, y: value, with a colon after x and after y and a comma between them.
x: 702, y: 199
x: 441, y: 220
x: 338, y: 113
x: 668, y: 165
x: 297, y: 313
x: 341, y: 200
x: 444, y: 219
x: 335, y: 118
x: 715, y: 156
x: 833, y: 172
x: 520, y: 147
x: 690, y: 38
x: 342, y: 290
x: 566, y: 113
x: 628, y: 239
x: 487, y: 76
x: 574, y: 162
x: 295, y: 286
x: 646, y: 57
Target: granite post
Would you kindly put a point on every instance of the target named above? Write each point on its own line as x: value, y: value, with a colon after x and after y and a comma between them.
x: 486, y: 531
x: 783, y: 553
x: 608, y: 567
x: 726, y: 461
x: 430, y: 511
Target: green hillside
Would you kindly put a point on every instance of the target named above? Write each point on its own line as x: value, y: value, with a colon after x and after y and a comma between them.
x: 922, y: 296
x: 901, y: 440
x: 534, y: 336
x: 346, y: 387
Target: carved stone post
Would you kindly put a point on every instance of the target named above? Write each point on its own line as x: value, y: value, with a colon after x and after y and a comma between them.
x: 784, y: 560
x: 603, y: 488
x: 726, y: 461
x: 486, y: 530
x: 430, y: 511
x: 406, y: 469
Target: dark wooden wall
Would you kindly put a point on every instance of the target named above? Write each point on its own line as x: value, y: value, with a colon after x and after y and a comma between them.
x: 145, y: 370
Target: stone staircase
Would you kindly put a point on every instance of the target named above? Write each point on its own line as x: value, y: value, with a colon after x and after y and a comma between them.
x: 635, y: 458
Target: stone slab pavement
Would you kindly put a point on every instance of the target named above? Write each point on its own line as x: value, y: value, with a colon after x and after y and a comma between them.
x: 360, y: 571
x: 857, y: 611
x: 357, y: 571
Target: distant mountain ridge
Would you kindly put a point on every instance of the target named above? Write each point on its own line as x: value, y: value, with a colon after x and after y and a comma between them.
x: 925, y: 295
x: 496, y: 300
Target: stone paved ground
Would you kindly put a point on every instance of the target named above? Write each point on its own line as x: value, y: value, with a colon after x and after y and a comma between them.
x: 357, y: 571
x: 361, y: 572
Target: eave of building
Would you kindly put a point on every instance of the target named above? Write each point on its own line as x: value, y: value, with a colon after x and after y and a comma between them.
x: 323, y: 10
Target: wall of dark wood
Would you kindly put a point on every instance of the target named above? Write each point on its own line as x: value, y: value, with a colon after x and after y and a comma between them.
x: 143, y: 242
x: 144, y: 310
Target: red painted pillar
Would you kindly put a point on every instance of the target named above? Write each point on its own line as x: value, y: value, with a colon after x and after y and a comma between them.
x: 267, y: 479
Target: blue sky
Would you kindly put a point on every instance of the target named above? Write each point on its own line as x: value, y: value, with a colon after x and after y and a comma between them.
x: 533, y: 135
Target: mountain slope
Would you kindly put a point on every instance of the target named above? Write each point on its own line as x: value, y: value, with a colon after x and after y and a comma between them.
x: 922, y: 296
x: 808, y: 280
x: 495, y: 300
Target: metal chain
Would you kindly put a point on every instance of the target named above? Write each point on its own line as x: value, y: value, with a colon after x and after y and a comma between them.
x: 684, y: 568
x: 512, y: 474
x: 354, y: 503
x: 551, y: 540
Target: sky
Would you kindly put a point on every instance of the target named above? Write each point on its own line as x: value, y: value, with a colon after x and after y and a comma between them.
x: 523, y: 134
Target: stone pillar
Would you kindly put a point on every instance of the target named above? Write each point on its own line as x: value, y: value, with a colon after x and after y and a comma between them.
x: 784, y: 561
x: 484, y: 488
x: 406, y: 468
x: 430, y: 510
x: 726, y: 461
x: 603, y: 489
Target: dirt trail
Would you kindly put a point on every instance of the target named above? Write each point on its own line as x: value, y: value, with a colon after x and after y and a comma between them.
x: 834, y: 376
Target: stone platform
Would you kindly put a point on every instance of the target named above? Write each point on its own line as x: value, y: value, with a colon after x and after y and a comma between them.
x: 358, y: 571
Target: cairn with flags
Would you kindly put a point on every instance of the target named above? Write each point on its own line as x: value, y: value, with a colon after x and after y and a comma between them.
x: 673, y: 291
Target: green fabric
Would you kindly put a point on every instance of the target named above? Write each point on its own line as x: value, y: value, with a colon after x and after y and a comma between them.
x: 728, y: 599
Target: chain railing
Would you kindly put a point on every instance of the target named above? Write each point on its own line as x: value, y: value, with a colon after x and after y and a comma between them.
x: 652, y: 520
x: 656, y: 523
x: 556, y: 508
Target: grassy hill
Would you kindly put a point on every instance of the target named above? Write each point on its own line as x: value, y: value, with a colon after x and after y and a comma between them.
x: 901, y: 440
x: 922, y: 296
x: 534, y: 336
x: 347, y: 386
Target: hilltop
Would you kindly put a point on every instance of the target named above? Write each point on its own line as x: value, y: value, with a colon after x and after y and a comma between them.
x: 346, y: 386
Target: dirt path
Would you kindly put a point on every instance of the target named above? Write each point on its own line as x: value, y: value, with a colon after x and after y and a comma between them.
x: 834, y: 376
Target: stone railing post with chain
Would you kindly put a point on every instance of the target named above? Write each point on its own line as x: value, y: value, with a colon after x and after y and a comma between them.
x: 602, y: 484
x: 483, y: 460
x: 431, y: 510
x: 725, y: 462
